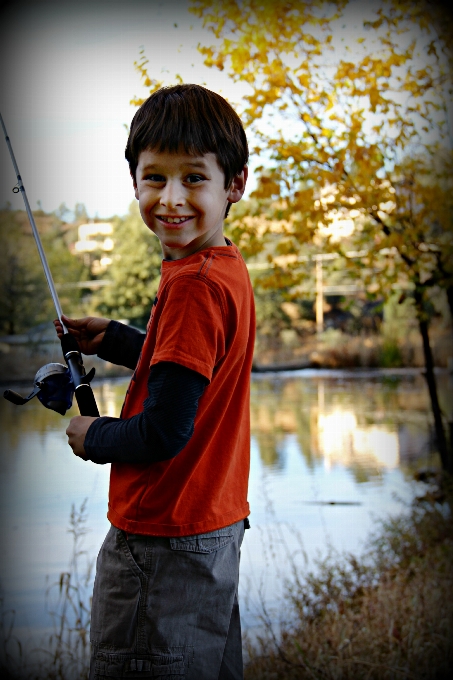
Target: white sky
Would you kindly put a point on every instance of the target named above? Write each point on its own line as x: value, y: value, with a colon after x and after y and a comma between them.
x: 66, y: 78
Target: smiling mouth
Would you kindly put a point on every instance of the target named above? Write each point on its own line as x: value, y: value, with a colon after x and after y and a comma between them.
x: 174, y: 220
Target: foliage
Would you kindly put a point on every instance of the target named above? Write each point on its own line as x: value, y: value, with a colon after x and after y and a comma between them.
x: 349, y: 124
x: 386, y: 615
x: 134, y: 272
x: 26, y: 300
x: 148, y: 81
x: 357, y: 130
x: 20, y: 277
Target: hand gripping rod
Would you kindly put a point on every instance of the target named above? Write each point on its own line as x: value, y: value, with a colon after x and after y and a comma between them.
x: 70, y: 348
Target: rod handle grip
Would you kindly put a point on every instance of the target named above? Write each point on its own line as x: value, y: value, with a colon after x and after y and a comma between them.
x: 83, y: 392
x: 86, y: 401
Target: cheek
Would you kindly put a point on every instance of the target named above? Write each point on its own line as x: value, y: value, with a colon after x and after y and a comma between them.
x: 144, y: 212
x: 146, y: 203
x: 141, y: 208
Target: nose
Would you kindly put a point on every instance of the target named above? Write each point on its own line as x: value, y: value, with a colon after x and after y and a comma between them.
x: 172, y: 195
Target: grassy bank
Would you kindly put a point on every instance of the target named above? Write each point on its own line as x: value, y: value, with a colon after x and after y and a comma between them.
x: 387, y: 616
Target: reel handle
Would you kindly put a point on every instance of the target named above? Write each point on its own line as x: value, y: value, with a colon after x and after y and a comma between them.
x: 17, y: 399
x: 14, y: 398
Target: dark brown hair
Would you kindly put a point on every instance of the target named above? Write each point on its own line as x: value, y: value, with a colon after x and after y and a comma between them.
x: 194, y: 119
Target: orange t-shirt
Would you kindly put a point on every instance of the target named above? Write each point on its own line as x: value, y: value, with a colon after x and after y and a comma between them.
x: 203, y: 319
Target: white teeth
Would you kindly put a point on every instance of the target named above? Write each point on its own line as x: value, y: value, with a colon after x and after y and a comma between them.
x: 173, y: 220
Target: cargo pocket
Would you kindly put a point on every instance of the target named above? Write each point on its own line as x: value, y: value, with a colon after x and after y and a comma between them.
x: 117, y: 595
x: 204, y: 543
x: 169, y: 665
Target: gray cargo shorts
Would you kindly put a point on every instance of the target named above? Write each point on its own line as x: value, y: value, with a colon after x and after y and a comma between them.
x: 167, y: 607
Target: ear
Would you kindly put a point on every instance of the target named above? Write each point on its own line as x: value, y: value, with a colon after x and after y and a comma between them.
x: 237, y: 187
x: 135, y: 187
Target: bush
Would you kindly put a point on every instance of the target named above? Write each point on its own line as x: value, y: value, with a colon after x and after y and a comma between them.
x: 390, y: 355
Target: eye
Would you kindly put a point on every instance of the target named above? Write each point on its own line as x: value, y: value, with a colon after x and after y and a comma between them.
x: 154, y: 178
x: 194, y: 179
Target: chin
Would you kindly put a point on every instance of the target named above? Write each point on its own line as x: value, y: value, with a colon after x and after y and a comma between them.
x: 175, y: 244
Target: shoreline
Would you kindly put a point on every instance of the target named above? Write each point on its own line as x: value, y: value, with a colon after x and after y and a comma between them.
x: 348, y: 373
x: 22, y: 356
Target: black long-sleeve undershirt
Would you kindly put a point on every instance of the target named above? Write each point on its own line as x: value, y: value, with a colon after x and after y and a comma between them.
x: 166, y: 424
x: 121, y: 345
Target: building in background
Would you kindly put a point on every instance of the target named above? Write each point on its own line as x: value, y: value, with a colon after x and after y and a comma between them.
x: 95, y: 243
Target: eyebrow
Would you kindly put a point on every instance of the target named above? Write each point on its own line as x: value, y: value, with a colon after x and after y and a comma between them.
x: 194, y: 164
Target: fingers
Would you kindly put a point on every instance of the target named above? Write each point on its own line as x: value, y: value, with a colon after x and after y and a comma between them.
x: 76, y: 432
x: 58, y: 328
x: 87, y: 330
x: 74, y: 326
x: 67, y: 322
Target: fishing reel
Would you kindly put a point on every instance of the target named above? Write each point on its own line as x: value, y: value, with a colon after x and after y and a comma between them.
x: 54, y: 387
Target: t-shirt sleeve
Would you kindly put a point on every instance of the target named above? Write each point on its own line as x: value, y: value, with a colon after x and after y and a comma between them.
x: 191, y: 330
x: 121, y: 345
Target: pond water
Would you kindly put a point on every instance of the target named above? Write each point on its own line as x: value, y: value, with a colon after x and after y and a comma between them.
x: 332, y: 453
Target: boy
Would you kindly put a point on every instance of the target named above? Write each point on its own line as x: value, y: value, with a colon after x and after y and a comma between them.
x: 165, y: 595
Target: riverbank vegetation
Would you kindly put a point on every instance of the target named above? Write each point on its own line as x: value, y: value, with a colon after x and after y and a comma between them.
x: 386, y: 615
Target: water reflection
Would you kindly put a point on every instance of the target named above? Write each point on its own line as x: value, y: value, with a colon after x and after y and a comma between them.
x: 366, y: 426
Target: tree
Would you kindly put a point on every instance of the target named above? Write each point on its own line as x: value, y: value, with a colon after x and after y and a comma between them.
x: 356, y: 119
x: 20, y: 277
x: 134, y: 272
x: 26, y: 300
x: 80, y: 212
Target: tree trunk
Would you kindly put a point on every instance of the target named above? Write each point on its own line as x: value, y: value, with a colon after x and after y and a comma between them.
x: 445, y: 451
x: 450, y: 301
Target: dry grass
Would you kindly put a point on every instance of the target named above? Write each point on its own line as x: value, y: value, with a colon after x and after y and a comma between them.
x: 64, y: 654
x: 388, y: 616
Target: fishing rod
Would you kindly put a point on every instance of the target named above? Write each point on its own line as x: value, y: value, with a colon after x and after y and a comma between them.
x: 54, y: 383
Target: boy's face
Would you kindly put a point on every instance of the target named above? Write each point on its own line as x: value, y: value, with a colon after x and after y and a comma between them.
x: 182, y: 200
